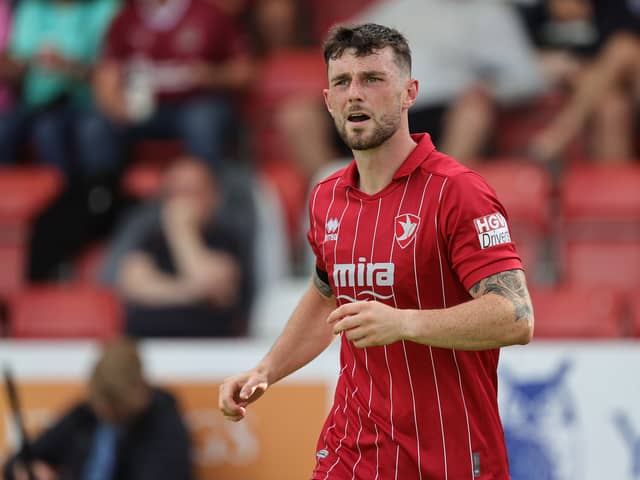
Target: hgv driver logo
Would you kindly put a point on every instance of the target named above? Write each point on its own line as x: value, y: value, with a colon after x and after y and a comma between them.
x: 406, y: 227
x: 492, y: 230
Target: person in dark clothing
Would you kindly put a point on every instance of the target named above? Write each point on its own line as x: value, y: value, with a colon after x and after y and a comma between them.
x: 125, y: 430
x: 191, y: 276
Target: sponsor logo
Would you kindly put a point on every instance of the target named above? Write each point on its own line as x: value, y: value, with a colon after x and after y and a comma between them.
x: 406, y: 226
x: 541, y: 425
x: 322, y: 453
x: 492, y: 230
x: 364, y: 274
x: 332, y: 230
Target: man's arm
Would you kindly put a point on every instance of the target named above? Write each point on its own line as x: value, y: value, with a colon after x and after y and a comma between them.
x: 140, y: 281
x: 305, y: 336
x: 500, y: 314
x: 108, y: 86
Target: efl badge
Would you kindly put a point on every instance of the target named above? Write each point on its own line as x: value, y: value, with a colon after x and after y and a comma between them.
x: 406, y: 228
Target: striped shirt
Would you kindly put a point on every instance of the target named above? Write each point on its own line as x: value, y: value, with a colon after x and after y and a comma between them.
x: 405, y: 410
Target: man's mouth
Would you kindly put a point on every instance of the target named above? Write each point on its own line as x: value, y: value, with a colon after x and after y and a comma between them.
x: 358, y: 117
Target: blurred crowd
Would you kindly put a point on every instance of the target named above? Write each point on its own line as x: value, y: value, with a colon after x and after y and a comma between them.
x: 180, y: 138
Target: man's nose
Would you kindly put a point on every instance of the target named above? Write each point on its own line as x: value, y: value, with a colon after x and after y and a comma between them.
x: 355, y: 91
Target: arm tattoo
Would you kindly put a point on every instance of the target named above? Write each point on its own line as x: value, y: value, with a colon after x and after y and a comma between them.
x: 323, y: 287
x: 510, y: 285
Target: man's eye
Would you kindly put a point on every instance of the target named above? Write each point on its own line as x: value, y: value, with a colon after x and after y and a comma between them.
x: 340, y: 83
x: 372, y: 79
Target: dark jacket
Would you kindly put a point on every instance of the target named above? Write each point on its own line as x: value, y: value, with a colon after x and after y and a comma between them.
x: 155, y: 445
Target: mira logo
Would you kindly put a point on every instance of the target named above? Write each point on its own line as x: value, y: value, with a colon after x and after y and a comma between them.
x: 492, y: 230
x: 363, y: 274
x: 332, y: 230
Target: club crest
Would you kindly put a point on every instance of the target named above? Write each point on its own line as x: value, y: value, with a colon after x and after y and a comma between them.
x: 406, y: 226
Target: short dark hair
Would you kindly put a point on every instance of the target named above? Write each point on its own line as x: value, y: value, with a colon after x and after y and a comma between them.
x: 365, y: 39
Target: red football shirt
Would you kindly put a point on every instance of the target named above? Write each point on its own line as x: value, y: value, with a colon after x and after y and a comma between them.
x: 410, y: 411
x: 185, y: 31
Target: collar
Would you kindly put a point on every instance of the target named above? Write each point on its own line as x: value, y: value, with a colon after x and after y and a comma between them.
x: 416, y: 158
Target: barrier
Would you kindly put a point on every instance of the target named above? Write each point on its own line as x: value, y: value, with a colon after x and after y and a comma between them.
x: 570, y: 410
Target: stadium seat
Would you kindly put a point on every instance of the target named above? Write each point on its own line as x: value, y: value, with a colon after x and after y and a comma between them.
x: 64, y: 312
x: 26, y: 191
x: 602, y: 193
x: 12, y: 268
x: 601, y: 226
x: 526, y: 192
x: 577, y: 313
x: 603, y: 263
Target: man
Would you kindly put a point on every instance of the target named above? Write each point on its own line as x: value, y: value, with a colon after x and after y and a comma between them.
x: 415, y: 250
x: 191, y: 274
x: 168, y: 70
x: 126, y: 430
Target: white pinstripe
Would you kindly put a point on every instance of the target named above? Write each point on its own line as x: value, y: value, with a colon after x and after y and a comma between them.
x: 353, y: 253
x: 444, y: 304
x: 404, y: 346
x: 355, y: 465
x: 335, y: 244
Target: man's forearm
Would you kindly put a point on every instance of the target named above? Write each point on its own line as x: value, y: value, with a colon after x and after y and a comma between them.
x: 305, y: 336
x: 489, y: 321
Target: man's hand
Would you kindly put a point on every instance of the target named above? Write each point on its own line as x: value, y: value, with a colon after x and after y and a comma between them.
x: 239, y: 391
x: 369, y: 323
x: 40, y: 470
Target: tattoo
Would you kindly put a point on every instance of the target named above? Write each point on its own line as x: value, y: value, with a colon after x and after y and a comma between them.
x: 323, y: 287
x: 511, y: 285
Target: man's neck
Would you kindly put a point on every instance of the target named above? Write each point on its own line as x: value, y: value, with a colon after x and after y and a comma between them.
x: 377, y: 166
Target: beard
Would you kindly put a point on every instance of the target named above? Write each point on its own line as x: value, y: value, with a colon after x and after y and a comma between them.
x: 382, y: 131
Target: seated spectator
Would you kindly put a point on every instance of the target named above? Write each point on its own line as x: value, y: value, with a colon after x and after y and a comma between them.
x: 474, y: 55
x: 191, y: 275
x: 126, y: 429
x: 168, y: 70
x: 602, y: 84
x: 52, y: 50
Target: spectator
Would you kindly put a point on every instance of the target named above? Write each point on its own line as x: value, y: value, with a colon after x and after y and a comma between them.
x: 52, y: 50
x: 125, y: 430
x: 473, y: 55
x: 603, y: 86
x: 168, y: 70
x: 190, y: 276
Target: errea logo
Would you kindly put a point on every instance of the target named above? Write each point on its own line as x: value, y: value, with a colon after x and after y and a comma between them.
x: 332, y: 230
x: 492, y: 230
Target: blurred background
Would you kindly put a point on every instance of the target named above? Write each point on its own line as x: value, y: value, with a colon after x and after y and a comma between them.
x: 155, y: 162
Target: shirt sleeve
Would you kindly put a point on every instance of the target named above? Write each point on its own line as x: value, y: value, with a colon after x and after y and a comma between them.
x: 476, y: 232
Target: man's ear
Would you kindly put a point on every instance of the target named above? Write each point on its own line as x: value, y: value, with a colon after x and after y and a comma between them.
x: 411, y: 93
x: 325, y: 95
